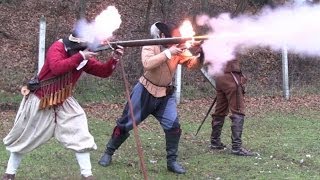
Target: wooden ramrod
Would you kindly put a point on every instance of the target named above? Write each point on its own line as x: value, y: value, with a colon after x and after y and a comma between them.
x: 148, y: 42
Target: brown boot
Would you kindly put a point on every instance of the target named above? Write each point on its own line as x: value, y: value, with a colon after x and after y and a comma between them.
x: 242, y: 152
x: 237, y: 122
x: 87, y: 178
x: 236, y: 129
x: 215, y: 146
x: 8, y: 176
x: 217, y: 124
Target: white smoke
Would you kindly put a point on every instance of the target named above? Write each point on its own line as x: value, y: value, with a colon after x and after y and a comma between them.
x: 101, y: 28
x: 297, y: 28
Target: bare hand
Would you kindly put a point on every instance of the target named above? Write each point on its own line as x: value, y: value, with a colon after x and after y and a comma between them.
x: 117, y: 52
x: 88, y: 54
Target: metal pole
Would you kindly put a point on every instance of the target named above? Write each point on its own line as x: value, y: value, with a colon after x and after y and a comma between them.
x: 178, y: 84
x: 285, y: 71
x: 42, y: 42
x: 285, y: 76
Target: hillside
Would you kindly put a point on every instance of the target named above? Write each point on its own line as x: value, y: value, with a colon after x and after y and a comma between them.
x: 19, y: 33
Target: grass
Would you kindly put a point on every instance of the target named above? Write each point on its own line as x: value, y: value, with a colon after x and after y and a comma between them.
x: 287, y: 145
x: 7, y: 97
x: 91, y: 90
x: 88, y: 90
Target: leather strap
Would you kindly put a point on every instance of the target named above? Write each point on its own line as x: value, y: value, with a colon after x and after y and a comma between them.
x: 235, y: 78
x: 237, y: 94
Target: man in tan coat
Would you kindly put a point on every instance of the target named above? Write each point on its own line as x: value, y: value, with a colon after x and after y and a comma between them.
x: 154, y: 95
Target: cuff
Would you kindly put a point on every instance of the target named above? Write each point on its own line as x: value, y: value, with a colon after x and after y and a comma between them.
x: 167, y: 53
x: 82, y: 54
x: 115, y: 59
x: 114, y: 62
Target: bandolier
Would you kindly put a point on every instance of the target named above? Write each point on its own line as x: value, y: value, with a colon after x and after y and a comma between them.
x: 55, y: 91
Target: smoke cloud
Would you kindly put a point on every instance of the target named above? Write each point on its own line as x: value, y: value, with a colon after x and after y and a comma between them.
x: 100, y: 29
x: 297, y: 28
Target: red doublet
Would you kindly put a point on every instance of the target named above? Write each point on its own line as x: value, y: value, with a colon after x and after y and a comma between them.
x: 59, y: 72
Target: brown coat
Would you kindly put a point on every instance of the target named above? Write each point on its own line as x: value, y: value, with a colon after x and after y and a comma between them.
x: 230, y: 95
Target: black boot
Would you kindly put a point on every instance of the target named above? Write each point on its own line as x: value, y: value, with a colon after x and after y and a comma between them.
x: 237, y: 121
x: 172, y: 143
x: 217, y: 124
x: 118, y: 137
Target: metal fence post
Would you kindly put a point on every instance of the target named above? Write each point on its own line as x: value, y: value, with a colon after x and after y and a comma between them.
x: 42, y: 43
x: 285, y: 76
x: 178, y: 84
x: 285, y: 71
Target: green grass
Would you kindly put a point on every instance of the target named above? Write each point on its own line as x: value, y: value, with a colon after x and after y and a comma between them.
x: 88, y: 90
x: 287, y: 144
x: 91, y: 89
x: 10, y: 98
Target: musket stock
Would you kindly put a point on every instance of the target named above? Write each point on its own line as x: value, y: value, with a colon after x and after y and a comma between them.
x: 148, y: 42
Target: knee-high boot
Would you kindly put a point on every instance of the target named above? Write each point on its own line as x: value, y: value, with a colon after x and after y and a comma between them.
x: 172, y: 143
x: 217, y: 124
x: 237, y: 122
x: 118, y: 137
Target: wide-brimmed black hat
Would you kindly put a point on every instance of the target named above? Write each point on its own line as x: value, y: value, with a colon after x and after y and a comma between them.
x: 74, y: 43
x: 159, y: 27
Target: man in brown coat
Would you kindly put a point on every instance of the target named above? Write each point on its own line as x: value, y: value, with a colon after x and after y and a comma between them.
x: 230, y: 97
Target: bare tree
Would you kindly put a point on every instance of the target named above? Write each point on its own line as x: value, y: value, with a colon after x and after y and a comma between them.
x: 82, y: 9
x: 147, y: 17
x: 258, y: 4
x: 166, y: 7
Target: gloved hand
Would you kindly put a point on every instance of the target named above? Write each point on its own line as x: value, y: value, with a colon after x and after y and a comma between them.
x: 197, y: 43
x: 117, y: 52
x: 86, y: 54
x: 200, y: 55
x: 174, y: 50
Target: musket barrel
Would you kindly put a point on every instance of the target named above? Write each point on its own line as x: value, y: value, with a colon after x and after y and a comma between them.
x: 148, y: 42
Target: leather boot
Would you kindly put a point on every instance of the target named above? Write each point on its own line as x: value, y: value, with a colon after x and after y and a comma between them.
x: 217, y: 124
x: 8, y: 176
x: 172, y: 143
x: 118, y: 137
x: 237, y: 122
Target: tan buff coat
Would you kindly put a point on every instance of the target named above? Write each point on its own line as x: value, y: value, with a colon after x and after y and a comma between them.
x: 159, y: 70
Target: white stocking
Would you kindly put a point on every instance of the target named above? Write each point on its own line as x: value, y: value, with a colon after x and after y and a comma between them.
x: 13, y: 163
x: 84, y: 163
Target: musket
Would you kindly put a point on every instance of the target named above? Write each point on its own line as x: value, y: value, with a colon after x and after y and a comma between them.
x: 204, y: 119
x: 148, y: 42
x: 213, y: 83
